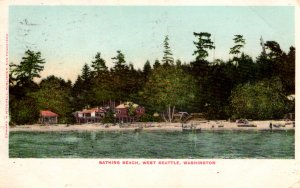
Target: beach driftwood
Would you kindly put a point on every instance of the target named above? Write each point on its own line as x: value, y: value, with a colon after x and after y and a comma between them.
x: 244, y: 123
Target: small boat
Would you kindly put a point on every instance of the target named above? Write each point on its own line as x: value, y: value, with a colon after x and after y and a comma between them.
x: 190, y: 128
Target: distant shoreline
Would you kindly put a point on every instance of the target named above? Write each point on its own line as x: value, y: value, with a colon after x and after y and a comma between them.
x: 153, y: 126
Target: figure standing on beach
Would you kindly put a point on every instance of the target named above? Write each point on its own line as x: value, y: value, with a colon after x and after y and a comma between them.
x: 271, y: 126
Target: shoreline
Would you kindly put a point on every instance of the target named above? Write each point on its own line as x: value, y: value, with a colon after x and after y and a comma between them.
x: 153, y: 126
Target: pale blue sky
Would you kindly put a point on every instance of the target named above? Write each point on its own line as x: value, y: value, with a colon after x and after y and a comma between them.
x: 69, y: 36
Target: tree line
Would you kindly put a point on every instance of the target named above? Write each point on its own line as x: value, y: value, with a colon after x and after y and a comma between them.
x: 240, y: 87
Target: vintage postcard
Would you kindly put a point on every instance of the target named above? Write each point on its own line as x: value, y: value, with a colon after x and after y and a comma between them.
x: 139, y: 94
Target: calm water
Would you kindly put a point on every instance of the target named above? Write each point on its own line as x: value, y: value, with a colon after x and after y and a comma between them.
x: 222, y: 145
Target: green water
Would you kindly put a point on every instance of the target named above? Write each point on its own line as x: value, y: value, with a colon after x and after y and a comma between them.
x: 222, y: 145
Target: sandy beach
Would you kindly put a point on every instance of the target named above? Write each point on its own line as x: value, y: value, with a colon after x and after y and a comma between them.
x: 153, y: 126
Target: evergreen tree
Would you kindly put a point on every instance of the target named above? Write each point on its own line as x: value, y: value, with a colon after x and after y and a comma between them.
x: 131, y: 67
x: 119, y: 61
x: 274, y: 50
x: 167, y: 58
x: 28, y: 69
x: 289, y: 72
x: 81, y: 92
x: 77, y: 98
x: 86, y: 73
x: 203, y: 44
x: 98, y: 65
x: 156, y: 64
x: 147, y: 69
x: 178, y: 63
x: 122, y: 79
x: 282, y: 65
x: 22, y: 106
x: 239, y: 43
x: 246, y: 69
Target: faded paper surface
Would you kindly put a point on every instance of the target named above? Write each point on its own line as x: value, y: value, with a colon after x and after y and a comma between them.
x: 88, y: 173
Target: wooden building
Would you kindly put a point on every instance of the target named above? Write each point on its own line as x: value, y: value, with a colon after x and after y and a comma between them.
x: 48, y: 117
x: 91, y: 115
x: 128, y: 112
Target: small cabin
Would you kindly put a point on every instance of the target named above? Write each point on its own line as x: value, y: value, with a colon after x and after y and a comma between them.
x: 48, y: 117
x: 91, y: 115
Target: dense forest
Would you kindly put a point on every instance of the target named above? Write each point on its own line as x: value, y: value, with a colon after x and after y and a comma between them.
x: 241, y: 87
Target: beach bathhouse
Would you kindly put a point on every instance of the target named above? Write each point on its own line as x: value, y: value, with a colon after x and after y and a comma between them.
x: 48, y: 117
x: 91, y: 115
x: 128, y: 112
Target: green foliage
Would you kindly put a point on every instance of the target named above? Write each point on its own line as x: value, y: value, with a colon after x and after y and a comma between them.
x: 147, y: 69
x: 274, y: 50
x: 277, y: 63
x: 22, y: 106
x: 54, y: 95
x: 169, y: 86
x: 156, y: 64
x: 203, y: 44
x: 261, y: 100
x: 288, y: 71
x: 109, y: 117
x: 125, y: 81
x: 119, y: 61
x: 81, y: 91
x: 282, y: 64
x: 29, y: 67
x: 239, y: 43
x: 200, y: 86
x: 98, y: 65
x: 131, y: 109
x: 23, y: 111
x: 178, y: 63
x: 150, y: 118
x: 102, y: 91
x: 246, y: 68
x: 167, y: 58
x: 216, y: 90
x: 86, y: 73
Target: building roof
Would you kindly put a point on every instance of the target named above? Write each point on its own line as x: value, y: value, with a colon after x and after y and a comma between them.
x: 126, y: 105
x: 92, y: 110
x: 48, y: 113
x: 121, y: 106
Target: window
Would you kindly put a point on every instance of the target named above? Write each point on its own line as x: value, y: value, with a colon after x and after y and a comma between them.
x: 87, y: 115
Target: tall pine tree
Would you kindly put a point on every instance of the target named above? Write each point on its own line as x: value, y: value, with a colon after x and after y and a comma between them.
x: 167, y: 58
x: 203, y: 44
x: 98, y: 65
